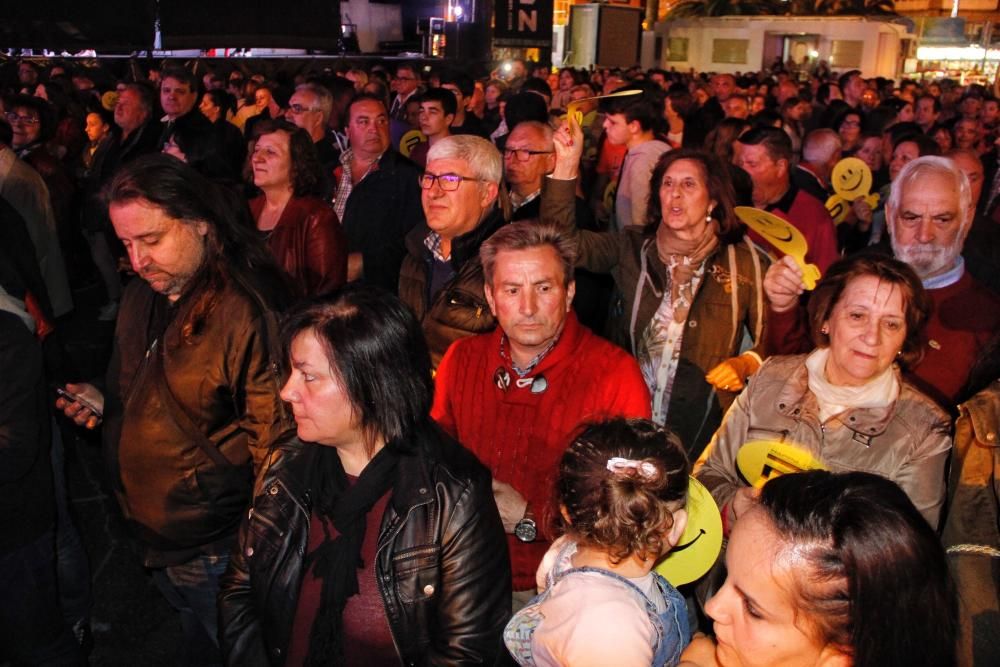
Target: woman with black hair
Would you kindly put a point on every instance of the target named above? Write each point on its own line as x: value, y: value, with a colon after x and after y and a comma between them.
x: 373, y: 537
x: 831, y: 570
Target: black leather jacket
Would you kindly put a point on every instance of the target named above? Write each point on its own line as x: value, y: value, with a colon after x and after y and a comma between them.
x: 442, y: 562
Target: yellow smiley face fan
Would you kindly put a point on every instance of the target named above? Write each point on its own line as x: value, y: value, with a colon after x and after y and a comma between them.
x: 851, y: 178
x: 761, y: 460
x: 699, y: 546
x: 782, y: 235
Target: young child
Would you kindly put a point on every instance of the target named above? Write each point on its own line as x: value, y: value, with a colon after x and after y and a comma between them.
x: 621, y: 491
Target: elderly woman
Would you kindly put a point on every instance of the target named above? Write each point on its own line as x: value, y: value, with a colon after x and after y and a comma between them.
x: 846, y: 402
x: 302, y: 230
x: 373, y: 538
x: 831, y: 570
x: 690, y: 285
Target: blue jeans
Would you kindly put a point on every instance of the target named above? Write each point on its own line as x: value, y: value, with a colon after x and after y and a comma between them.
x: 32, y: 629
x: 192, y: 588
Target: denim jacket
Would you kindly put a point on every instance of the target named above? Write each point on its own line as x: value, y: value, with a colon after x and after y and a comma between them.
x: 671, y: 632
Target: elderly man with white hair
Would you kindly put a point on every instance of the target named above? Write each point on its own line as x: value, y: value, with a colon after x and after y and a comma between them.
x: 441, y: 277
x: 821, y: 150
x: 928, y: 213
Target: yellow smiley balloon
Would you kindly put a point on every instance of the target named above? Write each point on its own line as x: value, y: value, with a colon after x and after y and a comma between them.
x: 783, y: 236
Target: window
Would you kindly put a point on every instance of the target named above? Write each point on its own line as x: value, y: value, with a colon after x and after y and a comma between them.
x: 846, y: 53
x: 730, y: 51
x: 677, y: 49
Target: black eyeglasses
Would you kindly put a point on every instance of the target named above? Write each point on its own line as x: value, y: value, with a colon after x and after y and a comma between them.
x: 298, y: 108
x: 448, y: 182
x: 523, y: 154
x: 27, y: 120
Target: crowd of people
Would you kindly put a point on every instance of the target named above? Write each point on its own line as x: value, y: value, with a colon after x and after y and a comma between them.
x: 410, y: 367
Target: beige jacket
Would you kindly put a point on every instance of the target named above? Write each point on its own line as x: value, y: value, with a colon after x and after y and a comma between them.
x: 907, y: 442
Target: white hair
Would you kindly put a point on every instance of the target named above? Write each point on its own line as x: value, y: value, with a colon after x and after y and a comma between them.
x: 927, y: 258
x: 482, y: 157
x: 820, y: 146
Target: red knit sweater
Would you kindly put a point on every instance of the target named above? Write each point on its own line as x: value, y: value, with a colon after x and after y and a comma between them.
x: 810, y: 217
x: 520, y: 436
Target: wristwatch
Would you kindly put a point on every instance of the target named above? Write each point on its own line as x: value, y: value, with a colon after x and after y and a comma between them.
x: 525, y: 529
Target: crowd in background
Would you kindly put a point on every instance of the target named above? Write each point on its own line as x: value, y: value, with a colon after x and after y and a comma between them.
x: 396, y: 201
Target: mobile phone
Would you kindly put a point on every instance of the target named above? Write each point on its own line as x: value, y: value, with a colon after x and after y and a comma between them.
x: 69, y: 396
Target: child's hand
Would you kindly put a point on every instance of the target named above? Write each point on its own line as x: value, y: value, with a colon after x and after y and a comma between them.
x: 699, y: 653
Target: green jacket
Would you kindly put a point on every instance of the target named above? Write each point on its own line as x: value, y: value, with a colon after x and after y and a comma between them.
x: 972, y: 526
x: 721, y: 318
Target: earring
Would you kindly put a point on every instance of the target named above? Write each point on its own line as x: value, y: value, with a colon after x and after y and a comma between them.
x: 708, y: 217
x: 825, y: 330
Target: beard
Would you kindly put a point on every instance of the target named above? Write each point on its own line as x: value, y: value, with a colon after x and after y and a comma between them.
x: 926, y: 259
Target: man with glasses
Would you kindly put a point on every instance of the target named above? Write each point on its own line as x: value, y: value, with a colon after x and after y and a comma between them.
x: 528, y: 156
x: 405, y: 84
x: 441, y: 278
x: 310, y: 108
x: 26, y: 121
x: 377, y: 196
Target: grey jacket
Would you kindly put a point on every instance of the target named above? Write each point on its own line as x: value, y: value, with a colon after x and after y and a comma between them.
x: 907, y: 442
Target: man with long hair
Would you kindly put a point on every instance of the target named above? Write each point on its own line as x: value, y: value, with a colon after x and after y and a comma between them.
x: 191, y: 401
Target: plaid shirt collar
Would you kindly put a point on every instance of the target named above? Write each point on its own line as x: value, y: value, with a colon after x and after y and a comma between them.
x: 433, y: 243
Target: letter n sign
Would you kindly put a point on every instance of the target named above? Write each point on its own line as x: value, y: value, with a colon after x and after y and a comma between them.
x: 524, y: 19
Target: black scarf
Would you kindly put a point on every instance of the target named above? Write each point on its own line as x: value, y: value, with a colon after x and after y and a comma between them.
x: 337, y: 561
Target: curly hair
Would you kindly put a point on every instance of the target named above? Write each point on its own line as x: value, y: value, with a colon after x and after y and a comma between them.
x: 628, y: 511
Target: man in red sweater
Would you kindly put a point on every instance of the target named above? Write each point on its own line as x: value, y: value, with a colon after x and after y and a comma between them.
x: 928, y: 214
x: 766, y: 154
x: 516, y: 396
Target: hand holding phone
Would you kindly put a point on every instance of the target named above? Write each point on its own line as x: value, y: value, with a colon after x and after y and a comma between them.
x: 83, y: 403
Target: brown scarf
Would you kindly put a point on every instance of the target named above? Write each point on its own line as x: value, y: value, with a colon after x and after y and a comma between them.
x: 683, y: 257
